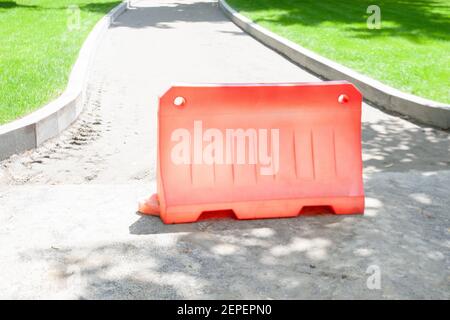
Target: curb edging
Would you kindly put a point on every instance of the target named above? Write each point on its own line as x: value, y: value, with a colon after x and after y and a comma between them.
x: 50, y: 120
x: 420, y: 109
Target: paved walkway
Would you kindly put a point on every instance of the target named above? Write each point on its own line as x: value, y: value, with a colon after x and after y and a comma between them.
x: 68, y: 227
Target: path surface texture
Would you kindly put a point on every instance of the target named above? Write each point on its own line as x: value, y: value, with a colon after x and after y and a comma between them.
x: 68, y: 222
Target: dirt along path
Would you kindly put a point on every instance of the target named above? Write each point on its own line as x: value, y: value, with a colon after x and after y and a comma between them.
x: 68, y: 227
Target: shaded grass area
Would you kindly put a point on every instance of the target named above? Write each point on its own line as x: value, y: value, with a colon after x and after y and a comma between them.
x: 38, y: 49
x: 410, y: 51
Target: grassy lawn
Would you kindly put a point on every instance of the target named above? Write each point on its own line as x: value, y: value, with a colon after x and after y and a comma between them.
x: 38, y: 49
x: 410, y: 52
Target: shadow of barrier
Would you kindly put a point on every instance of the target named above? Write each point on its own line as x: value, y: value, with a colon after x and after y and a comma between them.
x: 257, y: 151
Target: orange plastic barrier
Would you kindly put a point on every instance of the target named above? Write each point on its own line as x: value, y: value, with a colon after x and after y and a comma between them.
x: 260, y: 150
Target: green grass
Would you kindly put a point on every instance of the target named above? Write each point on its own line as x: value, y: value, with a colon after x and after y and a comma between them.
x: 37, y: 50
x: 410, y: 52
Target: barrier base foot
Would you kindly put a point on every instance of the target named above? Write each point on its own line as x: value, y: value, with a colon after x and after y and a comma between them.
x: 150, y: 206
x: 351, y: 205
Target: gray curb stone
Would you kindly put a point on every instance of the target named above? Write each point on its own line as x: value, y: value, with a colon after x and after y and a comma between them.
x: 416, y: 108
x: 49, y: 121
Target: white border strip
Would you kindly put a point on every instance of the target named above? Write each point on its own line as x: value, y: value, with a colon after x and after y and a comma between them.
x: 420, y: 109
x: 49, y: 121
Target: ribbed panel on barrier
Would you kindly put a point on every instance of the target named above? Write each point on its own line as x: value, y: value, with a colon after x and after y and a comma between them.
x: 260, y: 150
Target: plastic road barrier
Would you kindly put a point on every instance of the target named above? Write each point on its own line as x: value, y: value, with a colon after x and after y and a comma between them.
x: 258, y: 151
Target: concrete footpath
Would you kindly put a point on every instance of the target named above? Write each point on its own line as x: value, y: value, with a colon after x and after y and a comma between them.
x: 68, y: 222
